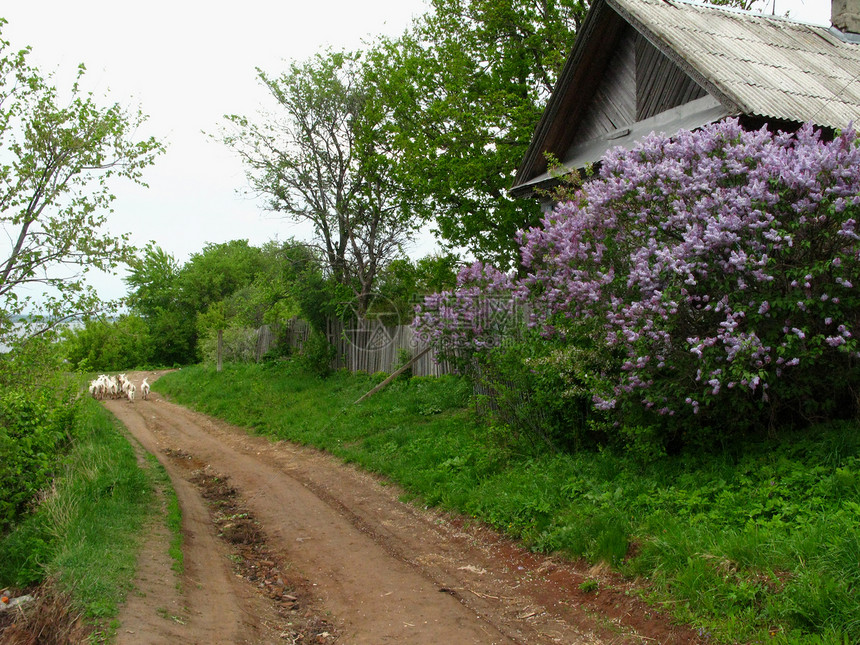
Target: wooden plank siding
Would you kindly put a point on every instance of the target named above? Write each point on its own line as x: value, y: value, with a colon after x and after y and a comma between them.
x: 583, y: 71
x: 613, y: 105
x: 639, y: 82
x: 660, y: 83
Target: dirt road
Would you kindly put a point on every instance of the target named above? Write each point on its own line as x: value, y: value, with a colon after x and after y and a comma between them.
x: 286, y: 544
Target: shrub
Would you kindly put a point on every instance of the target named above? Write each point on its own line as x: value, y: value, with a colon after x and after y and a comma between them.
x: 317, y: 354
x: 104, y: 345
x: 722, y: 264
x: 34, y: 431
x: 719, y: 265
x: 541, y: 386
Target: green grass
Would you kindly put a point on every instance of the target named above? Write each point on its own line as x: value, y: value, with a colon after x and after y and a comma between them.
x: 173, y: 517
x: 86, y: 534
x: 758, y: 544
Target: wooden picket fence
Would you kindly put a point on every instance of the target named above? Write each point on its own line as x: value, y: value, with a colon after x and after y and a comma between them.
x: 361, y: 346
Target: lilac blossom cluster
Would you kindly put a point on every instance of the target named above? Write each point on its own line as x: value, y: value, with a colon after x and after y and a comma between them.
x: 472, y: 317
x: 720, y: 261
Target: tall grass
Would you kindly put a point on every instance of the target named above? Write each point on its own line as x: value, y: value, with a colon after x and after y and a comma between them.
x: 85, y: 533
x: 760, y: 543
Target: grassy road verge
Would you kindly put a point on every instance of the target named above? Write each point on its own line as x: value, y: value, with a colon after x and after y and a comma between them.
x: 84, y: 536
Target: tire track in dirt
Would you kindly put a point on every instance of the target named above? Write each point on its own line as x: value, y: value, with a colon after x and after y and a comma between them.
x: 208, y: 604
x: 381, y: 570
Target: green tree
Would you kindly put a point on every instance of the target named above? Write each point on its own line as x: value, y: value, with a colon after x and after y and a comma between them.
x: 59, y: 158
x: 225, y: 286
x: 465, y: 90
x: 152, y: 281
x: 216, y: 272
x: 319, y: 159
x: 104, y: 345
x: 301, y: 156
x: 270, y: 297
x: 403, y: 284
x: 171, y: 297
x: 154, y: 294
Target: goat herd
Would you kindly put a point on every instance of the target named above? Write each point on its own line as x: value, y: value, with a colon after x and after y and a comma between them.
x: 117, y: 387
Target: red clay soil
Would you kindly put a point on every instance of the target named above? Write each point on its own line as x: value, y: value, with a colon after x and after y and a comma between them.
x: 284, y: 544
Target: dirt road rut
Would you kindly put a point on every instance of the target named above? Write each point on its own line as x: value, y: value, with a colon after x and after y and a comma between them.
x: 337, y: 552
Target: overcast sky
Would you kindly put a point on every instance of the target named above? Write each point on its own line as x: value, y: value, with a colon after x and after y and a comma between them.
x: 187, y: 63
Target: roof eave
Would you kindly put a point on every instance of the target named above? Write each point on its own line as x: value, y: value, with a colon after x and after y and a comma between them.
x: 691, y: 116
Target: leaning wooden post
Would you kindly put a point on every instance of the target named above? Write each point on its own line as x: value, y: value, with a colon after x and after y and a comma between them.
x: 400, y: 371
x: 220, y: 349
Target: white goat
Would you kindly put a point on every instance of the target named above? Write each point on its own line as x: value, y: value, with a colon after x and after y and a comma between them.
x: 130, y: 392
x: 144, y: 389
x: 99, y: 386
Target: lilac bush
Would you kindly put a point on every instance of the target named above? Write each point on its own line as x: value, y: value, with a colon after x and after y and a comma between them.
x: 537, y: 383
x: 722, y: 263
x: 719, y: 265
x: 472, y: 318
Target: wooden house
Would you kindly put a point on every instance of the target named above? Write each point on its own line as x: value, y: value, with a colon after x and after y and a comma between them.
x: 642, y: 66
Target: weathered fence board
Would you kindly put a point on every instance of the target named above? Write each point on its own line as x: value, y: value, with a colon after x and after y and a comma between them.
x: 362, y: 346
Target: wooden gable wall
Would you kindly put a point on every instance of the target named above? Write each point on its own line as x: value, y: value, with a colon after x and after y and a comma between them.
x: 639, y: 82
x: 660, y: 83
x: 613, y: 104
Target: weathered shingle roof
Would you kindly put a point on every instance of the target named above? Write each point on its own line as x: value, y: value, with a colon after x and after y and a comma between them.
x: 767, y: 66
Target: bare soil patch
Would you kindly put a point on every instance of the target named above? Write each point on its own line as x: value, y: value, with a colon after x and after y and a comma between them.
x: 287, y: 544
x: 254, y: 561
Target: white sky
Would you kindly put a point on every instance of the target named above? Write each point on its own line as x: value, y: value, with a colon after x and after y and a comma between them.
x: 187, y: 63
x: 815, y: 11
